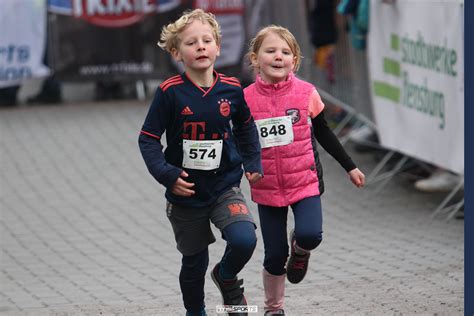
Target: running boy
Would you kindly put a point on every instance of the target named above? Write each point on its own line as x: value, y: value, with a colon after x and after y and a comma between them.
x: 201, y: 167
x: 289, y: 117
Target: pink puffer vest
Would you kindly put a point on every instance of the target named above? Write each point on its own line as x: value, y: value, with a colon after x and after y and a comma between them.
x: 289, y: 171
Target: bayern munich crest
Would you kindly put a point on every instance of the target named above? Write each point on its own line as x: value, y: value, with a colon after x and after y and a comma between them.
x: 224, y: 107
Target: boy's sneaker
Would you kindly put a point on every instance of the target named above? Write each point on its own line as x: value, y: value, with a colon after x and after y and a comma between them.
x: 280, y: 312
x: 231, y: 291
x: 201, y: 313
x: 297, y: 264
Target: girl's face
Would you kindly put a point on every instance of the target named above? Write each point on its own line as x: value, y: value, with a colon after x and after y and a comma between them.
x: 274, y: 60
x: 197, y: 47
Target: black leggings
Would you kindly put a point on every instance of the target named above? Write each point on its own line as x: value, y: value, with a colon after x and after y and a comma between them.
x: 241, y: 242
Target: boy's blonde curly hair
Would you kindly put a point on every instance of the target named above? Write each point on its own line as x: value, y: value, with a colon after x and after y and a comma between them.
x: 169, y: 34
x: 284, y: 34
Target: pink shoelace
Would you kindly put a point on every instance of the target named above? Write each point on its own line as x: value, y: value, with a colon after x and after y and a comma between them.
x: 299, y: 265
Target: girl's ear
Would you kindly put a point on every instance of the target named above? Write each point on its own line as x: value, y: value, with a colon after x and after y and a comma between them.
x: 176, y: 55
x: 254, y: 60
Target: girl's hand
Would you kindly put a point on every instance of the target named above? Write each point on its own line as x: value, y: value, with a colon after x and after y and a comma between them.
x: 357, y: 177
x: 253, y: 177
x: 181, y: 187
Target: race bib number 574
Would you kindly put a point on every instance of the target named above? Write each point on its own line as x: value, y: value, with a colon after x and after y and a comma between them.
x: 202, y: 154
x: 275, y: 131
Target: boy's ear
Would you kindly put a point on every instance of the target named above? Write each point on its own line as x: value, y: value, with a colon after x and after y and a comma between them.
x: 218, y: 50
x: 176, y: 55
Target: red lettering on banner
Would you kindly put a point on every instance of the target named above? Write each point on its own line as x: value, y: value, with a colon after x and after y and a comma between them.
x: 221, y: 6
x: 113, y: 13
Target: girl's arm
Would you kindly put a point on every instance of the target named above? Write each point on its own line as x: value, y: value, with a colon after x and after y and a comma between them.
x: 331, y: 144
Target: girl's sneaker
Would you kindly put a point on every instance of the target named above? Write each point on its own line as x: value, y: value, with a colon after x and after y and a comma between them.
x: 297, y: 264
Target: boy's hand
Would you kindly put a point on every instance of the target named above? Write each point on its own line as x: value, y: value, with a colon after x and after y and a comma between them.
x: 253, y: 177
x: 181, y: 187
x: 357, y: 177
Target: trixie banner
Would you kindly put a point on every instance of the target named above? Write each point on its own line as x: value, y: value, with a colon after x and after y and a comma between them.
x: 416, y: 64
x: 109, y: 39
x: 111, y: 13
x: 22, y: 40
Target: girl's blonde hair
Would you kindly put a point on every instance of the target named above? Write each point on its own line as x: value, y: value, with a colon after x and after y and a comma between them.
x: 285, y: 35
x: 169, y: 34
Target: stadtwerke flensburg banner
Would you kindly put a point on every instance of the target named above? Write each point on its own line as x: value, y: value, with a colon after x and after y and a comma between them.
x: 416, y: 66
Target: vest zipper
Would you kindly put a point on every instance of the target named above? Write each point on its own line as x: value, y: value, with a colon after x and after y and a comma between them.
x: 274, y: 113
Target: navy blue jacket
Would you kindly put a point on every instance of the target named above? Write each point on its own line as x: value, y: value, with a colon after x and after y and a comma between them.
x: 186, y: 111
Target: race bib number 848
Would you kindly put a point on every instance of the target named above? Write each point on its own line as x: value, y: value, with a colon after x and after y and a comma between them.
x: 275, y: 131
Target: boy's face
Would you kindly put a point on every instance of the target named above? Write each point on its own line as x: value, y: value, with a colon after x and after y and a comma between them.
x: 274, y: 60
x: 197, y: 47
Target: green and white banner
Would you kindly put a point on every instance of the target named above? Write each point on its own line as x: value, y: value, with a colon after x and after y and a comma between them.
x: 416, y: 65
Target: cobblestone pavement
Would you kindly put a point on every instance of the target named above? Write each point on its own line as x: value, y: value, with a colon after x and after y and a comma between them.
x: 83, y: 230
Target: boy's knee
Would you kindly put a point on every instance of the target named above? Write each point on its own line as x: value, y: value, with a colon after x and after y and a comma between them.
x: 241, y: 237
x: 245, y: 243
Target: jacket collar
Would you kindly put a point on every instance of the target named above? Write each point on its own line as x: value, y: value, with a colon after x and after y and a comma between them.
x: 275, y: 89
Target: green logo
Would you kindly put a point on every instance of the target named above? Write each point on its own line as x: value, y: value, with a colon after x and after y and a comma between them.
x: 415, y: 95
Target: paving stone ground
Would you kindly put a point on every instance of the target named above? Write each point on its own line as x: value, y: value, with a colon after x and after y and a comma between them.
x: 84, y: 231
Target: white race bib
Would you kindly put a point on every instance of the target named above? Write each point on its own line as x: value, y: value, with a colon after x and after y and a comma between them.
x: 275, y: 131
x: 202, y: 154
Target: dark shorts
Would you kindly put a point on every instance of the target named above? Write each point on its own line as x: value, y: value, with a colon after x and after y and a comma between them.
x: 191, y: 226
